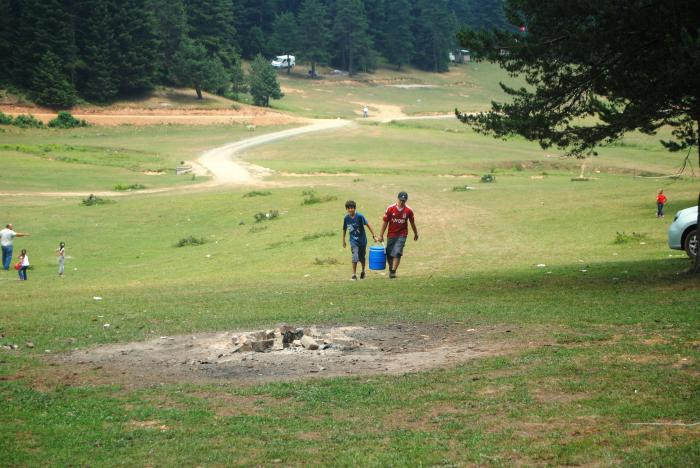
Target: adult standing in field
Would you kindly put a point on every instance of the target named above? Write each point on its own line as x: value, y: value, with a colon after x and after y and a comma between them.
x: 61, y: 254
x: 7, y: 238
x: 396, y: 218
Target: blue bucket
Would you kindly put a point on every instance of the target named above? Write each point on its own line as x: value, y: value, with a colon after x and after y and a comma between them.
x: 377, y: 257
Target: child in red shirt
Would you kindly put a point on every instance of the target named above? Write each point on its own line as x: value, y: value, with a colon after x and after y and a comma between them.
x: 396, y: 218
x: 660, y: 202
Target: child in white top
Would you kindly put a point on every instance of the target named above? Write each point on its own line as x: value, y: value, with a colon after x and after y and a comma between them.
x: 24, y: 264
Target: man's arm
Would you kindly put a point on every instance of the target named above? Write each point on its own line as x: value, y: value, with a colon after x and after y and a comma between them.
x: 22, y: 234
x: 381, y: 235
x: 415, y: 231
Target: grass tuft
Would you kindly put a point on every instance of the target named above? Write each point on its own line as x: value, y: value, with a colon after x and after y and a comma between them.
x: 124, y: 187
x: 257, y: 193
x: 92, y: 200
x: 624, y: 238
x: 318, y: 235
x: 312, y: 198
x: 326, y: 261
x: 270, y: 215
x: 190, y: 240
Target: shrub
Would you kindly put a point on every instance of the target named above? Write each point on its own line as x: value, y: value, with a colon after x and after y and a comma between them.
x: 95, y: 200
x: 624, y: 238
x: 257, y: 193
x: 66, y: 120
x: 27, y: 121
x: 123, y: 188
x: 311, y: 198
x: 5, y: 119
x: 488, y: 178
x: 190, y: 240
x: 272, y: 214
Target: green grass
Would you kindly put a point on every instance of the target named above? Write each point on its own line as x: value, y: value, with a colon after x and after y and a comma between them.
x: 98, y: 158
x: 470, y: 87
x: 603, y: 337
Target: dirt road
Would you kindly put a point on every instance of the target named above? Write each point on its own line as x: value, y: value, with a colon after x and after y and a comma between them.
x: 226, y: 169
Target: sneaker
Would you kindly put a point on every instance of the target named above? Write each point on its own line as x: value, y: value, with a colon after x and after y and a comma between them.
x: 354, y: 277
x: 392, y: 274
x: 362, y: 275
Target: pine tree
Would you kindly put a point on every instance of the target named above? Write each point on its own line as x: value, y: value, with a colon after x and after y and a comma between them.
x: 44, y: 25
x: 253, y: 21
x: 194, y: 67
x: 96, y: 73
x: 211, y: 24
x: 434, y: 32
x: 7, y: 41
x: 50, y: 84
x: 350, y: 31
x: 263, y: 82
x: 171, y: 20
x: 398, y: 35
x: 314, y: 34
x: 285, y: 35
x: 135, y: 59
x: 239, y: 82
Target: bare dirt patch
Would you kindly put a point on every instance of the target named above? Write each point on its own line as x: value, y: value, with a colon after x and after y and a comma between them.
x: 213, y: 357
x: 178, y: 116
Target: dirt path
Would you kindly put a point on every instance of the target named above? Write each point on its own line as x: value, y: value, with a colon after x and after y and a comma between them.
x: 219, y: 162
x: 226, y: 169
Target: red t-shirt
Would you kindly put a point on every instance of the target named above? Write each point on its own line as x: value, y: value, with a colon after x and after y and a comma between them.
x: 661, y: 199
x: 398, y: 220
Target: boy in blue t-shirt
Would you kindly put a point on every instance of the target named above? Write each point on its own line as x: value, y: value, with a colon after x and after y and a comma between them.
x: 355, y: 223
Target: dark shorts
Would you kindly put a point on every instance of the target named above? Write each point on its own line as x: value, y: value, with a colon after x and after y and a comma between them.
x: 394, y: 246
x: 358, y: 252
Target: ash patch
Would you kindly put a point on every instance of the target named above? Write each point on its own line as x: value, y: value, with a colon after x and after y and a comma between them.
x: 245, y: 357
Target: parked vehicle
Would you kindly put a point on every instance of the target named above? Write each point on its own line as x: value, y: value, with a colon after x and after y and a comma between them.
x: 283, y: 61
x: 459, y: 56
x: 683, y: 232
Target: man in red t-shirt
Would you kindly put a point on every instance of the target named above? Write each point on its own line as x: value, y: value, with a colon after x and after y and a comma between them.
x: 397, y: 217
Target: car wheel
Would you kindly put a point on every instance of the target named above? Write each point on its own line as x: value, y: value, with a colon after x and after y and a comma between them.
x: 691, y: 244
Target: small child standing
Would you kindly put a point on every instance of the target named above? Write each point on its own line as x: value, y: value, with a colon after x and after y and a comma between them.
x: 355, y: 223
x: 660, y: 202
x: 61, y: 254
x: 23, y: 265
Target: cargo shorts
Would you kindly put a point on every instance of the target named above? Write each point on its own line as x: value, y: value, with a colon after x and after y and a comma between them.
x: 358, y: 252
x: 394, y: 246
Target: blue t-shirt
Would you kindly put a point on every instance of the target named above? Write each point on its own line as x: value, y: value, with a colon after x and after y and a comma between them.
x: 356, y: 228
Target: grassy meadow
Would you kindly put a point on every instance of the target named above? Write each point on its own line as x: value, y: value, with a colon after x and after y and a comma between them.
x: 470, y: 87
x: 600, y: 321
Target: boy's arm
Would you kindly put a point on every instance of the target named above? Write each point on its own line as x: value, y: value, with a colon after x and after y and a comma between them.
x: 344, y: 231
x: 415, y: 231
x: 374, y: 236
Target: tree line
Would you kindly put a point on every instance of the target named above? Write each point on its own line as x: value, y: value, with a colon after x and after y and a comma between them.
x: 62, y: 50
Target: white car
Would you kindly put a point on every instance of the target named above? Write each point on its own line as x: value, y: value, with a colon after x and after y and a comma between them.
x: 683, y: 232
x: 283, y: 61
